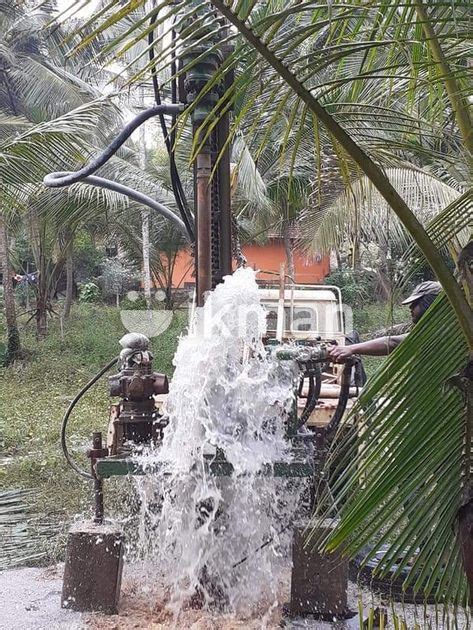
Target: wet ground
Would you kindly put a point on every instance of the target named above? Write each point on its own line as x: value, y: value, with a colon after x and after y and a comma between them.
x: 30, y: 600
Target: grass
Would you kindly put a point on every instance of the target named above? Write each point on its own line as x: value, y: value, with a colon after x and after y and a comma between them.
x: 35, y: 394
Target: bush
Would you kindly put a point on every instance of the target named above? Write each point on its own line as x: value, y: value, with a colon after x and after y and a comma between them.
x: 87, y: 257
x: 137, y: 303
x: 89, y: 292
x: 117, y: 278
x: 358, y: 287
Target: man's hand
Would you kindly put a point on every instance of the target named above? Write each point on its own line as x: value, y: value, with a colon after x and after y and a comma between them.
x: 340, y: 354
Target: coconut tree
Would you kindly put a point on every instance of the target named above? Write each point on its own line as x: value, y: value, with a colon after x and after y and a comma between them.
x: 166, y: 243
x: 389, y: 62
x: 43, y: 81
x: 27, y: 153
x: 13, y: 350
x: 36, y: 86
x: 358, y: 218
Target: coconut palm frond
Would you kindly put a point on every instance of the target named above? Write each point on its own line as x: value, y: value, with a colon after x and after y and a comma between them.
x: 333, y: 50
x: 64, y: 91
x: 397, y: 476
x: 48, y: 146
x: 360, y: 208
x: 450, y: 230
x: 247, y: 181
x: 11, y: 126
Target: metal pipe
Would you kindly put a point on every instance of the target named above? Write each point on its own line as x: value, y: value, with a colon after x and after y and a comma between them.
x: 225, y: 245
x: 203, y: 169
x: 97, y: 450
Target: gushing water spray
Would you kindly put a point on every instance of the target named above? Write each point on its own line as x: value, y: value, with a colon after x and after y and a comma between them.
x: 227, y: 395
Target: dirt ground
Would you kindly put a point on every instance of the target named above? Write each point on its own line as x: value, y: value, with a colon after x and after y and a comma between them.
x: 30, y: 600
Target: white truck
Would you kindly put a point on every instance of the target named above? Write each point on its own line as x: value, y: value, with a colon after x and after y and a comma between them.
x: 309, y: 314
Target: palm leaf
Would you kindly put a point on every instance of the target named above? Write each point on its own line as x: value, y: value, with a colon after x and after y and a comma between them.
x: 370, y: 88
x: 451, y: 229
x: 361, y: 208
x: 396, y: 476
x: 48, y: 146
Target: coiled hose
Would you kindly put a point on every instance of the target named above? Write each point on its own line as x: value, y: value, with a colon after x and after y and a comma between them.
x: 85, y: 174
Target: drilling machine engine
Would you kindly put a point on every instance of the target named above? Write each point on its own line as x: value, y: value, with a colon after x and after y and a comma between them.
x: 136, y: 419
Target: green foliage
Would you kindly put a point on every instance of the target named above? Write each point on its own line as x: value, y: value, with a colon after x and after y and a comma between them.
x: 358, y: 287
x: 398, y: 472
x: 87, y: 257
x: 89, y: 292
x: 118, y: 276
x: 138, y: 303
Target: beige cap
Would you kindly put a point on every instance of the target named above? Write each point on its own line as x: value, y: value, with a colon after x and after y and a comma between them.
x: 424, y: 288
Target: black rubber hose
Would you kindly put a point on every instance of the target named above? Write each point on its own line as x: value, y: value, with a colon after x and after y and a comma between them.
x: 176, y: 183
x: 112, y: 148
x: 312, y: 398
x: 65, y: 420
x: 310, y: 393
x: 301, y: 386
x: 140, y: 197
x: 342, y: 400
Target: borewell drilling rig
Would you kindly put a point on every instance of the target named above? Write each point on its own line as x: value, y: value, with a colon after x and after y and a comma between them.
x: 94, y: 555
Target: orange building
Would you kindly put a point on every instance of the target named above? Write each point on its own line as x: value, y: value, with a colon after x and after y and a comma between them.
x: 267, y: 257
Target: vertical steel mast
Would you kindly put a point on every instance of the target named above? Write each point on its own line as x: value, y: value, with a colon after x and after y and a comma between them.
x: 213, y: 248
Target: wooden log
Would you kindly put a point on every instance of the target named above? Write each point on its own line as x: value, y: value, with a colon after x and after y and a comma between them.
x: 93, y: 569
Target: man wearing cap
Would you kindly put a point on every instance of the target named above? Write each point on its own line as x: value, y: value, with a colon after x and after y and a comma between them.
x: 419, y: 301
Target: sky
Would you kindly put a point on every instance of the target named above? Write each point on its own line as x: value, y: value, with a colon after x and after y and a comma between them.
x: 84, y: 7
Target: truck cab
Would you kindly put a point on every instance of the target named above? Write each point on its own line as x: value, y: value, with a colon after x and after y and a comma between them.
x: 309, y: 314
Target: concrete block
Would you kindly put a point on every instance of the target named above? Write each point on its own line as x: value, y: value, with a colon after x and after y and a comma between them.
x: 93, y: 570
x: 319, y: 581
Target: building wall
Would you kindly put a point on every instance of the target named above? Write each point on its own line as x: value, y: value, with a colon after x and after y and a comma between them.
x: 267, y: 257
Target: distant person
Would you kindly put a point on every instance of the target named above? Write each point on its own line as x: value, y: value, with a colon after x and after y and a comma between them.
x: 419, y: 301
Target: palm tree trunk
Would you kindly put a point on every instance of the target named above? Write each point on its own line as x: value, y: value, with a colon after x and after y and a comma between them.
x: 289, y: 249
x: 42, y: 295
x: 146, y: 265
x: 69, y: 278
x: 13, y: 336
x: 355, y: 254
x: 145, y: 219
x: 41, y: 315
